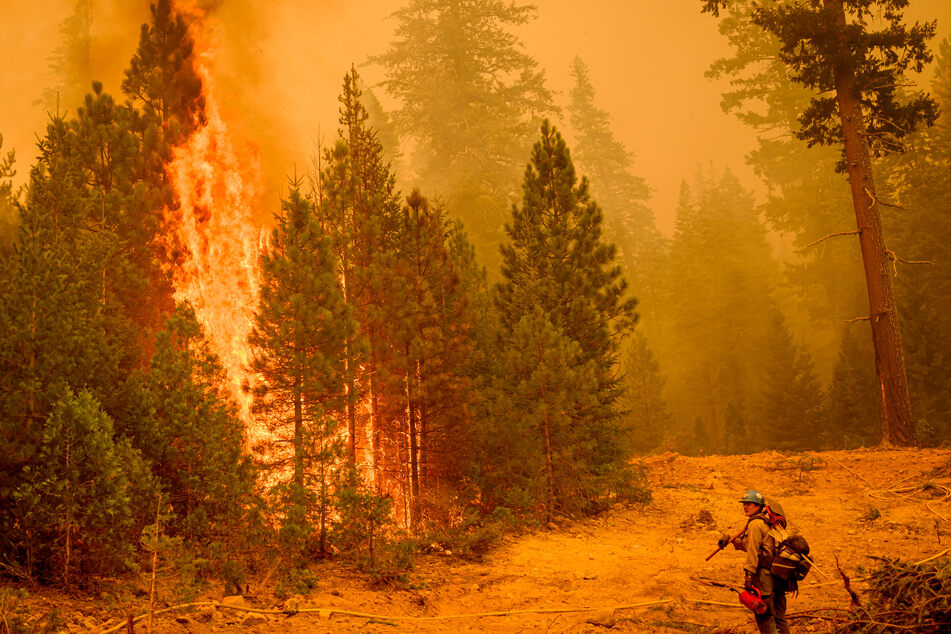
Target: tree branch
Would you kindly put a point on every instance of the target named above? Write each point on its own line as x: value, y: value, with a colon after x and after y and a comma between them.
x: 895, y: 260
x: 831, y: 235
x: 876, y: 201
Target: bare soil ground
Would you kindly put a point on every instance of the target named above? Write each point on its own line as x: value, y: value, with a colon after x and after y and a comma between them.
x: 850, y: 505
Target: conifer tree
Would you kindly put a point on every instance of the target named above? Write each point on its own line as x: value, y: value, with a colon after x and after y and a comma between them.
x: 434, y: 341
x: 853, y: 400
x: 856, y: 67
x: 806, y: 199
x: 539, y: 450
x: 473, y: 130
x: 918, y: 182
x: 161, y: 78
x: 74, y: 507
x: 121, y: 202
x: 71, y: 63
x: 557, y: 263
x: 358, y: 207
x: 644, y: 406
x: 629, y: 223
x: 197, y: 440
x: 56, y: 330
x: 793, y: 398
x: 721, y: 279
x: 298, y: 341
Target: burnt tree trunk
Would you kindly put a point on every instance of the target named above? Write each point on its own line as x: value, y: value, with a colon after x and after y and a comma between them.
x: 898, y: 427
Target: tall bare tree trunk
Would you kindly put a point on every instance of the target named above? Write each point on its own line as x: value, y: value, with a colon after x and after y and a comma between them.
x: 413, y: 415
x: 376, y: 433
x: 898, y: 427
x: 351, y: 381
x: 549, y: 473
x: 299, y: 430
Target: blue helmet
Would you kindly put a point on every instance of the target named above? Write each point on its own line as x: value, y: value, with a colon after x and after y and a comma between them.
x: 755, y: 497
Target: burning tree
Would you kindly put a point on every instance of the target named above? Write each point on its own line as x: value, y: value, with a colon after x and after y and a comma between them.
x: 299, y: 339
x: 406, y: 393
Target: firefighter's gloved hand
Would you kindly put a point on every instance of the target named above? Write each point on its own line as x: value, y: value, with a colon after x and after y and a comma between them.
x: 748, y: 582
x: 724, y: 540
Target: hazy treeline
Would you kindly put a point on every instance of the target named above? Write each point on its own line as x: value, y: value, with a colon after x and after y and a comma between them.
x: 431, y: 363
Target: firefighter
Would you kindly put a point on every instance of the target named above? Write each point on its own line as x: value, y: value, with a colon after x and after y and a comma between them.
x: 760, y: 547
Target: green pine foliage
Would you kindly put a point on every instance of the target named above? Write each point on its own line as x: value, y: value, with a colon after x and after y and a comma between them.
x: 358, y: 208
x: 196, y: 443
x: 364, y: 526
x: 74, y: 506
x: 55, y: 330
x: 161, y: 79
x: 298, y: 349
x: 538, y: 452
x: 880, y: 49
x: 433, y: 343
x: 558, y: 264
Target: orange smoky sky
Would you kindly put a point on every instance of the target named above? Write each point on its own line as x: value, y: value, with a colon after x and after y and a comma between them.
x: 280, y: 66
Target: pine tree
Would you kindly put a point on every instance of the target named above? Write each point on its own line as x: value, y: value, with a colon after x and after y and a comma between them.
x: 853, y: 399
x: 121, y: 202
x: 196, y: 442
x: 358, y: 209
x: 806, y: 199
x: 433, y: 337
x: 298, y: 341
x: 644, y: 404
x: 629, y: 223
x: 540, y: 452
x: 793, y: 398
x: 161, y: 78
x: 557, y: 263
x: 71, y: 62
x: 857, y: 70
x: 56, y: 330
x: 470, y: 97
x: 74, y: 507
x: 720, y: 282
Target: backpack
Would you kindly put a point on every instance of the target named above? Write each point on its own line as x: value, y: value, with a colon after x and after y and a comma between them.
x: 791, y: 560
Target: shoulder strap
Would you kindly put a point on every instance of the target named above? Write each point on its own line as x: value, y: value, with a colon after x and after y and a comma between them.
x: 751, y: 520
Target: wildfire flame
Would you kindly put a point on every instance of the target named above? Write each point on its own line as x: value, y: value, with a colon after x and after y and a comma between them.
x: 219, y: 182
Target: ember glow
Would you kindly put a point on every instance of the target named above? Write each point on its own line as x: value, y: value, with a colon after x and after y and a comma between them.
x: 219, y: 183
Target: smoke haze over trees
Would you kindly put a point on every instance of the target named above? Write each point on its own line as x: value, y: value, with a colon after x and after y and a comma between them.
x: 467, y: 316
